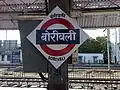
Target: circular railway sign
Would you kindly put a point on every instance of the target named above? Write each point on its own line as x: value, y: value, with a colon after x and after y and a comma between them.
x: 62, y: 51
x: 57, y: 37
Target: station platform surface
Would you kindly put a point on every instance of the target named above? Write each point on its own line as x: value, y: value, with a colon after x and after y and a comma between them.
x: 12, y: 88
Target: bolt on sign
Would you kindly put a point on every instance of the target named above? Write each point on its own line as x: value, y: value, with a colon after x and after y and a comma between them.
x: 57, y: 37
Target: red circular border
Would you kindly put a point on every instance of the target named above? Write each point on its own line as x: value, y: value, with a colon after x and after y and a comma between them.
x: 62, y: 51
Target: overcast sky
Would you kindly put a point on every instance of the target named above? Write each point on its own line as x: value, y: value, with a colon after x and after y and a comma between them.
x: 11, y: 35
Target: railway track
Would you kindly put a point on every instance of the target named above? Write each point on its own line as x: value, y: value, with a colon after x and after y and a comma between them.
x: 71, y: 80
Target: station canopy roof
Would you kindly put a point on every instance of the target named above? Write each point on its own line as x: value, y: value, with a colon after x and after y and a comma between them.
x: 89, y: 13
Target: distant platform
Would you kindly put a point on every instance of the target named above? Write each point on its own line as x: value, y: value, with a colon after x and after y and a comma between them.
x: 11, y: 88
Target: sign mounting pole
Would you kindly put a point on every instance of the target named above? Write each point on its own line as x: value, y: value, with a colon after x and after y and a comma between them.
x: 58, y: 79
x: 57, y: 37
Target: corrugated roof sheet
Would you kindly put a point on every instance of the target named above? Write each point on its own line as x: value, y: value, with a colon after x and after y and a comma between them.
x: 97, y: 21
x: 84, y: 20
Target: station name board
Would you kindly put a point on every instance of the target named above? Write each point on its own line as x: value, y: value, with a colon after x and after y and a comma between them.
x: 58, y: 36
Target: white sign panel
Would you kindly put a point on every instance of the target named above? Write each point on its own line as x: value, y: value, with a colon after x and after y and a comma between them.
x: 55, y: 37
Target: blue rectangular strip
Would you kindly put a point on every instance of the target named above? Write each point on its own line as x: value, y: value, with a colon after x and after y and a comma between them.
x: 58, y: 36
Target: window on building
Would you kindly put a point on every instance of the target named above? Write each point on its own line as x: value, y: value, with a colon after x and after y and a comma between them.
x: 95, y: 59
x: 2, y: 57
x: 80, y: 59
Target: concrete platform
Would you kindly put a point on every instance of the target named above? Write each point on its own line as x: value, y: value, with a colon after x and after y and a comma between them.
x: 12, y: 88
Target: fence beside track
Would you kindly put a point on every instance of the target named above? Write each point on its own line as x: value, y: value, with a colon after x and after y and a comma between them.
x: 77, y: 77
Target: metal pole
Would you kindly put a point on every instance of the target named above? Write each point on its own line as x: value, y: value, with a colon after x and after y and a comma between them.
x: 116, y: 56
x: 58, y: 78
x: 6, y: 35
x: 108, y: 47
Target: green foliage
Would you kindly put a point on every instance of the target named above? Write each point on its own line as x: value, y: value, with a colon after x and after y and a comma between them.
x: 98, y: 45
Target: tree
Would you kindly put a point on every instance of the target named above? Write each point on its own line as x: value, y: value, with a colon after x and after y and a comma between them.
x: 98, y: 45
